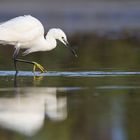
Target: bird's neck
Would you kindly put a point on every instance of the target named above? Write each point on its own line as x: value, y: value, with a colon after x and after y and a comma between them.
x: 50, y: 42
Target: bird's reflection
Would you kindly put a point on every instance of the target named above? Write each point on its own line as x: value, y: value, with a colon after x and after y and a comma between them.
x: 26, y: 111
x: 36, y: 79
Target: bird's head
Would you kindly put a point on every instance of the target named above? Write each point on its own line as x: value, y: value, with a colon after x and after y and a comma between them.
x: 58, y: 34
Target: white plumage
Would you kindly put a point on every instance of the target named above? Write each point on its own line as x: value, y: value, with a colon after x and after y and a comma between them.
x: 27, y: 32
x: 21, y: 29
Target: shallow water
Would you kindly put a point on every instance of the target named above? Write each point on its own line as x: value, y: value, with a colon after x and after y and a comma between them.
x: 95, y: 96
x: 69, y: 105
x: 69, y: 74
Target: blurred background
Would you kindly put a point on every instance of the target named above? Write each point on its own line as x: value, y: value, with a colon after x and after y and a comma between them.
x: 73, y: 16
x: 106, y: 36
x: 105, y: 33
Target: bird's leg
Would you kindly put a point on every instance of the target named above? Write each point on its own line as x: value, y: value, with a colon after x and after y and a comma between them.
x: 15, y: 57
x: 36, y: 65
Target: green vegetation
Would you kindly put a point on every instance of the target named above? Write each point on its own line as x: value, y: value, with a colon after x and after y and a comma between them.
x: 94, y: 53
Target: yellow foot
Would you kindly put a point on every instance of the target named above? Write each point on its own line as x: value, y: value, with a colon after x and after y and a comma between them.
x: 37, y: 79
x: 38, y: 66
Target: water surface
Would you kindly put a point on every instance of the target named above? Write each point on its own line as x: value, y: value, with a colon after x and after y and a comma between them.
x: 96, y: 96
x: 69, y: 105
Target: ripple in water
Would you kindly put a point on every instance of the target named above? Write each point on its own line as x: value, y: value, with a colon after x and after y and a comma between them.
x: 70, y: 74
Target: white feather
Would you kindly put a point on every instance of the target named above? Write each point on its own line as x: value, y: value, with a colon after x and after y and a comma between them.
x: 28, y: 32
x: 21, y: 29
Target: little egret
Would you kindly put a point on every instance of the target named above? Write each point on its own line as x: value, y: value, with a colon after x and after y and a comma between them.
x: 27, y: 32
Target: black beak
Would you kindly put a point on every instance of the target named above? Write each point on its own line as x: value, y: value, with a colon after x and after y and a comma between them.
x: 71, y: 49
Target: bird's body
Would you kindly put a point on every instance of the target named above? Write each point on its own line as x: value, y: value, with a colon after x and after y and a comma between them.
x: 27, y: 32
x: 21, y: 29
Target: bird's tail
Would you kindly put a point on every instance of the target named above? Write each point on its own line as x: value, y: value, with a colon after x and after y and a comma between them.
x: 3, y: 42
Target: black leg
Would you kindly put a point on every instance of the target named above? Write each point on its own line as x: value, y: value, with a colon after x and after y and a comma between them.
x: 15, y: 57
x: 15, y: 79
x: 36, y: 65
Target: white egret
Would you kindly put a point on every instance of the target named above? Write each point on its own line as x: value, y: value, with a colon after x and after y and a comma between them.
x: 27, y: 32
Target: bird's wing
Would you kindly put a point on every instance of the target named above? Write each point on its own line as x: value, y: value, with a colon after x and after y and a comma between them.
x: 21, y: 29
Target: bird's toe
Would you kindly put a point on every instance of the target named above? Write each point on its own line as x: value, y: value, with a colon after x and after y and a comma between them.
x: 38, y: 66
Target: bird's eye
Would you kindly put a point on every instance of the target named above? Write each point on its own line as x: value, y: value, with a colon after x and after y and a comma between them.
x: 62, y: 37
